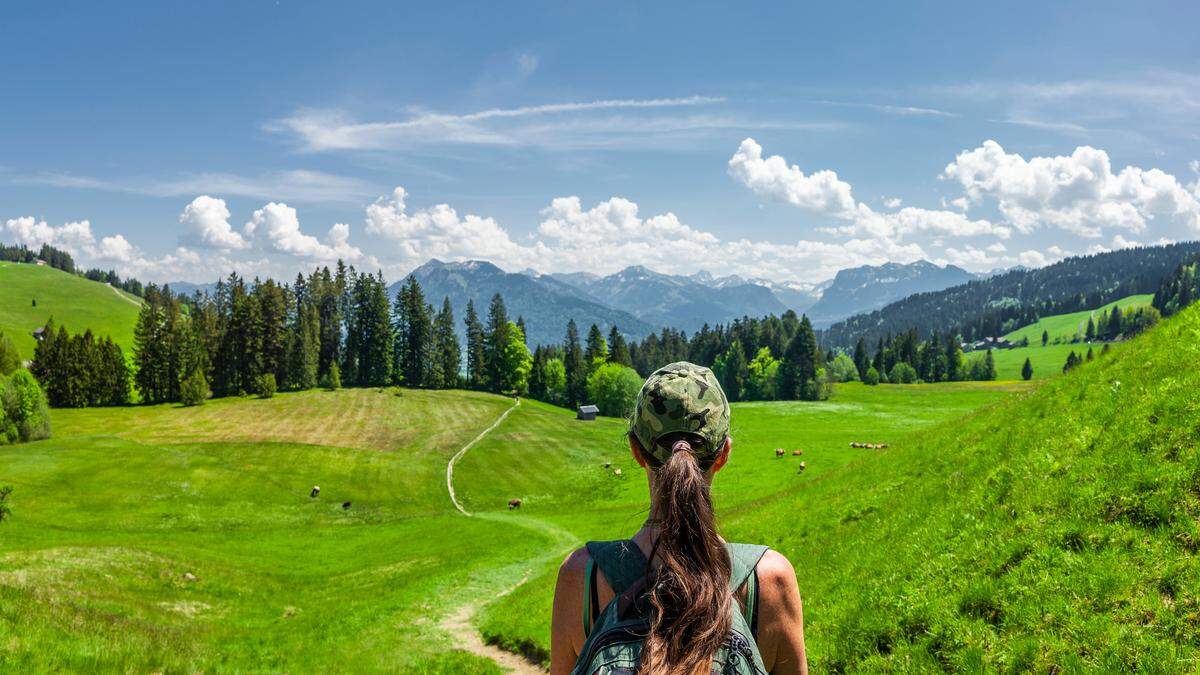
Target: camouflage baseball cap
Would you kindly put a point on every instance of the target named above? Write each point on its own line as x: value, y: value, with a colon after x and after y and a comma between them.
x: 681, y: 397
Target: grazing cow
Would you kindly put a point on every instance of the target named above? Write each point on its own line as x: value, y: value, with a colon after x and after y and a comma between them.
x: 514, y: 504
x: 797, y: 453
x: 315, y: 491
x: 883, y: 445
x: 617, y: 472
x: 779, y: 452
x: 346, y: 506
x: 608, y: 465
x: 803, y: 466
x: 856, y: 444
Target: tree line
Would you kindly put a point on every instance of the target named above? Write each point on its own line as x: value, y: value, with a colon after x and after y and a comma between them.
x: 1000, y: 304
x: 54, y: 257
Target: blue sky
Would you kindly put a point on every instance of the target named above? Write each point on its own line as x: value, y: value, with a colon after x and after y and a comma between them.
x: 180, y: 140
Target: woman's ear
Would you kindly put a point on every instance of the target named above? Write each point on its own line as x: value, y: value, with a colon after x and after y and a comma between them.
x: 636, y: 449
x: 723, y: 457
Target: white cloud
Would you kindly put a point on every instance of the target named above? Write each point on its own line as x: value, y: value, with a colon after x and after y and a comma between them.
x: 892, y: 202
x: 74, y: 237
x: 276, y: 227
x: 902, y: 110
x: 639, y: 123
x: 296, y: 185
x: 1078, y: 193
x: 824, y: 193
x: 206, y: 224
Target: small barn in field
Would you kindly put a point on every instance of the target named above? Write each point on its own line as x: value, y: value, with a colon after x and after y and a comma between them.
x: 587, y: 412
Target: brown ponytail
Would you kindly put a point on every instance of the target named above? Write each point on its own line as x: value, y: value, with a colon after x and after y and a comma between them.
x: 690, y: 593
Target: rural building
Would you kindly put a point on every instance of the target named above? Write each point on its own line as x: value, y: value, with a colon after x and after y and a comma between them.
x: 988, y: 343
x: 587, y: 412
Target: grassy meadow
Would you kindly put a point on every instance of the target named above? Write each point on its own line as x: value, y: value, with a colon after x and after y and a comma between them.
x: 1009, y: 526
x: 184, y: 539
x: 1062, y: 329
x: 72, y: 301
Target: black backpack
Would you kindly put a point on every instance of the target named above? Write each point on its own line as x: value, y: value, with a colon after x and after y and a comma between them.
x: 614, y: 643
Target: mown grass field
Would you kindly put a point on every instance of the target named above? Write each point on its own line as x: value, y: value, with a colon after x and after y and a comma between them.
x: 1067, y: 327
x: 113, y: 513
x: 72, y: 301
x: 1007, y: 528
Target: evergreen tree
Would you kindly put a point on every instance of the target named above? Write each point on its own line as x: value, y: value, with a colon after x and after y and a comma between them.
x: 955, y: 362
x: 596, y: 352
x: 1114, y: 324
x: 1045, y: 337
x: 476, y: 373
x: 448, y: 352
x: 989, y: 366
x: 375, y: 343
x: 414, y: 335
x: 1090, y: 332
x: 1090, y: 354
x: 575, y: 366
x: 798, y: 370
x: 861, y: 361
x: 1027, y: 370
x: 495, y: 342
x: 618, y: 350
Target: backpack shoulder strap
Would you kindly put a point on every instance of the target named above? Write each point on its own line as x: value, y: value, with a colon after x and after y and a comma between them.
x: 621, y: 562
x: 743, y: 558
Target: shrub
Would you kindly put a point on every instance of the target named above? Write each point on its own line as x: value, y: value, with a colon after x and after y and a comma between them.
x: 332, y: 380
x: 5, y: 512
x: 902, y: 373
x: 614, y: 389
x: 26, y: 412
x: 194, y: 388
x: 872, y: 377
x: 10, y: 358
x: 264, y: 385
x: 842, y: 369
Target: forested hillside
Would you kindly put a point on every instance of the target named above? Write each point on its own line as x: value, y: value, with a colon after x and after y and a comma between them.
x: 1002, y: 303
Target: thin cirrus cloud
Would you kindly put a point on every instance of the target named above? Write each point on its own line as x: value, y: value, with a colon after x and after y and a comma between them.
x: 560, y: 126
x: 296, y: 185
x: 902, y: 110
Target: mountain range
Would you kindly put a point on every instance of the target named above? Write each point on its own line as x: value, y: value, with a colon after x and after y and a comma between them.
x: 640, y: 301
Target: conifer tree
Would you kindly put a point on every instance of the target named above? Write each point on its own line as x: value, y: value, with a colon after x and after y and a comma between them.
x: 1090, y: 354
x: 575, y: 366
x: 798, y: 369
x: 448, y: 352
x: 1114, y: 323
x: 1027, y: 370
x: 989, y: 366
x: 618, y: 349
x: 1045, y: 337
x: 1090, y: 333
x: 596, y: 352
x: 476, y: 372
x: 495, y: 341
x: 861, y: 360
x: 731, y: 370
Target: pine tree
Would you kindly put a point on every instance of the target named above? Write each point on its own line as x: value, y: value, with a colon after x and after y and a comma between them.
x: 414, y: 333
x: 575, y: 366
x: 618, y: 350
x: 861, y: 361
x: 1090, y: 332
x: 799, y: 365
x: 476, y: 373
x: 376, y: 341
x: 1114, y: 323
x: 1045, y: 337
x: 1027, y: 370
x: 989, y: 366
x: 495, y: 341
x: 732, y: 371
x: 1090, y: 354
x: 448, y: 352
x: 596, y: 352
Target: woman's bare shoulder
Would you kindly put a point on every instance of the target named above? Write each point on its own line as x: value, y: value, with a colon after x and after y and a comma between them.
x: 573, y: 566
x: 775, y: 569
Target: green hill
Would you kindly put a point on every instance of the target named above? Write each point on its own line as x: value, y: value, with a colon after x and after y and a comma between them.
x: 75, y: 302
x: 1057, y: 531
x: 1067, y: 327
x: 1062, y: 329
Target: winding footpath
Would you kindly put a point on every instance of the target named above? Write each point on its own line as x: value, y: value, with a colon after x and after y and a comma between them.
x: 459, y: 455
x: 458, y: 622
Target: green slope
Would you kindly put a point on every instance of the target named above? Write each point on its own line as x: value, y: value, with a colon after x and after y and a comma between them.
x: 1062, y: 328
x: 1056, y: 531
x: 1066, y: 327
x: 72, y: 301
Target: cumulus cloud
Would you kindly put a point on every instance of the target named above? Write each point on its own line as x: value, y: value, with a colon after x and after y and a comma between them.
x: 823, y: 193
x: 74, y: 237
x: 276, y: 227
x: 206, y: 224
x: 1079, y: 192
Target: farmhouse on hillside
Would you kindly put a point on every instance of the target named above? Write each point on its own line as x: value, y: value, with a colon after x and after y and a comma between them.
x: 587, y: 412
x: 988, y: 343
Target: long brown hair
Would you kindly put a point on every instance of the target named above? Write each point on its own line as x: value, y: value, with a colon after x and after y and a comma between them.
x: 690, y: 593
